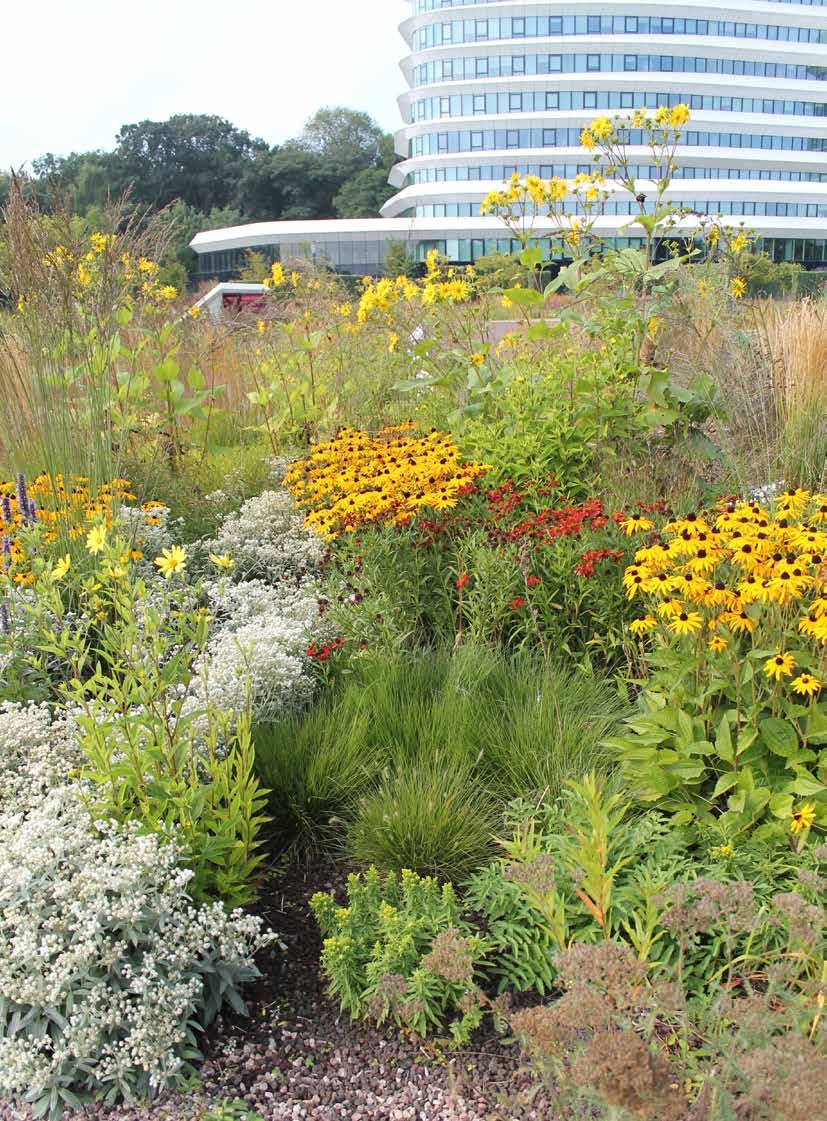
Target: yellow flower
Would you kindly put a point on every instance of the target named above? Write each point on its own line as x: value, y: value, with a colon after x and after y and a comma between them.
x: 802, y: 819
x: 393, y: 342
x: 805, y: 685
x: 194, y: 311
x: 587, y: 140
x: 739, y: 243
x: 84, y: 276
x: 222, y: 560
x: 636, y: 523
x: 601, y: 129
x: 782, y: 665
x: 679, y: 115
x: 686, y: 622
x: 167, y: 292
x: 737, y: 287
x: 261, y: 326
x: 644, y: 625
x: 60, y: 569
x: 171, y: 561
x: 96, y: 539
x: 717, y: 644
x: 477, y: 359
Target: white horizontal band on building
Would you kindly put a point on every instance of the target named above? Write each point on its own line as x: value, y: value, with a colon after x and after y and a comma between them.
x: 504, y: 86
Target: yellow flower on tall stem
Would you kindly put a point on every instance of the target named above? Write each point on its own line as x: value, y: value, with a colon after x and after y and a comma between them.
x: 96, y: 539
x: 171, y: 561
x: 636, y: 523
x: 686, y: 623
x: 644, y: 625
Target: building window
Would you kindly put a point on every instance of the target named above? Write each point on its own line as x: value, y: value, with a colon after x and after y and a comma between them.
x: 592, y: 61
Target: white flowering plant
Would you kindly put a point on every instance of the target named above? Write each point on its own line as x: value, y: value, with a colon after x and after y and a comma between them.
x: 108, y: 971
x: 267, y: 539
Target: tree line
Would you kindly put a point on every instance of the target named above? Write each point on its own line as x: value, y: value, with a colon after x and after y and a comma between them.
x: 205, y: 173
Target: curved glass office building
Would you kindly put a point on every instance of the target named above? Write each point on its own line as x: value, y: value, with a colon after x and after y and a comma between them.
x: 504, y: 86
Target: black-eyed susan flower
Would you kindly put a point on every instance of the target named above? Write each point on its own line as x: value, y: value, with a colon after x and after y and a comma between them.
x: 643, y: 626
x: 802, y: 819
x: 637, y: 523
x: 686, y: 623
x: 717, y: 644
x: 780, y: 665
x: 805, y: 685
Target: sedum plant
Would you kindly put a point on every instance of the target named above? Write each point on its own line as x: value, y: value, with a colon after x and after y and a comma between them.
x: 400, y: 951
x: 108, y: 971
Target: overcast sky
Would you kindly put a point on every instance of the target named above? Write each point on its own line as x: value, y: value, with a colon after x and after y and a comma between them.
x: 74, y: 71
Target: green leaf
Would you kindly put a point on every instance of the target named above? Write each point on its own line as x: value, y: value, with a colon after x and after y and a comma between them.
x: 723, y: 741
x: 525, y: 297
x: 780, y: 736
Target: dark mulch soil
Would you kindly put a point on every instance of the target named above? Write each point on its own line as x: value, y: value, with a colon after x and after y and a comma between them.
x: 295, y: 1057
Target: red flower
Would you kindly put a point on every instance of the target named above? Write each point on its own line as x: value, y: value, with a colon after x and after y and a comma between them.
x: 463, y: 581
x: 517, y: 603
x: 533, y: 581
x: 591, y: 558
x: 321, y: 655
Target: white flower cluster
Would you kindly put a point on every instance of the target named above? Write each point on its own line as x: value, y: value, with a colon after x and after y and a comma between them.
x: 257, y: 654
x: 38, y: 750
x: 106, y: 968
x: 148, y: 529
x: 267, y: 539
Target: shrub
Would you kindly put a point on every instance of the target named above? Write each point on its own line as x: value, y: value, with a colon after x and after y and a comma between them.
x: 38, y: 750
x: 128, y: 653
x: 511, y: 567
x: 256, y: 656
x: 731, y: 726
x: 107, y: 970
x: 355, y: 479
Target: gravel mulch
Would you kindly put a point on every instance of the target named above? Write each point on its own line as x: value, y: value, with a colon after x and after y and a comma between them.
x: 295, y: 1058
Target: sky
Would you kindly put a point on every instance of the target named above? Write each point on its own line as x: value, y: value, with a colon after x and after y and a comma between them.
x: 74, y: 71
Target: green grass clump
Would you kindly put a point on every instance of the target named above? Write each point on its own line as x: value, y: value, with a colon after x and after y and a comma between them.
x: 410, y: 763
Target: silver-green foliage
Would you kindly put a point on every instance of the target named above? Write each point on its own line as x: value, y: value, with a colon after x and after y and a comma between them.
x: 107, y: 970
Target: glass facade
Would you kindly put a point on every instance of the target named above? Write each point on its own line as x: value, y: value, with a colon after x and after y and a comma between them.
x: 504, y: 86
x: 494, y: 87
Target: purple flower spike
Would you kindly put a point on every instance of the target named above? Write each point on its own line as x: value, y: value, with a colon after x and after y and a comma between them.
x: 5, y: 506
x: 22, y: 497
x: 5, y: 623
x: 6, y: 548
x: 32, y: 511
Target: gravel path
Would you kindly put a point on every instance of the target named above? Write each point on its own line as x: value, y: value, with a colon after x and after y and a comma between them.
x: 295, y: 1059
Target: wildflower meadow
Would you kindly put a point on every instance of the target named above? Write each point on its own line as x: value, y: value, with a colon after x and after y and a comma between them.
x: 413, y: 689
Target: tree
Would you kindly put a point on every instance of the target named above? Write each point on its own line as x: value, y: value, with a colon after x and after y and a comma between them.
x: 348, y: 140
x: 363, y: 195
x: 191, y: 157
x: 399, y: 261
